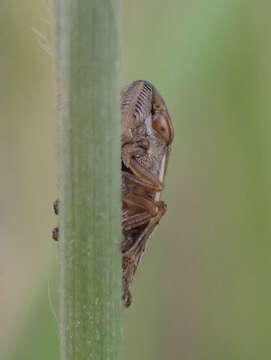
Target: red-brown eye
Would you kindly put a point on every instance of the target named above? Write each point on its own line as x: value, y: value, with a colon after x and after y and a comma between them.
x: 162, y: 124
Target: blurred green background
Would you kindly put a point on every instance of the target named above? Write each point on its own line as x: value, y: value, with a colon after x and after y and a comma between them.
x: 203, y: 290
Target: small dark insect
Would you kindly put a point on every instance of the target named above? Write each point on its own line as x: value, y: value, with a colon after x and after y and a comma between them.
x: 146, y: 135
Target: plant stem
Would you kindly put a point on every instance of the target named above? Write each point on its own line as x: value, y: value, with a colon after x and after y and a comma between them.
x: 86, y: 50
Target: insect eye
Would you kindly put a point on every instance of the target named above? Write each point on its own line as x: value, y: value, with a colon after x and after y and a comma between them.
x: 162, y: 125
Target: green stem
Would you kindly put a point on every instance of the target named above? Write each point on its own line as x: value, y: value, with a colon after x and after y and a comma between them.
x: 86, y: 49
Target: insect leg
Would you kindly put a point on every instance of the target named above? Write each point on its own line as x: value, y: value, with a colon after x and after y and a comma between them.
x: 146, y: 176
x: 128, y: 155
x: 150, y: 206
x: 56, y: 206
x: 139, y: 245
x: 137, y: 181
x: 133, y: 221
x: 55, y: 232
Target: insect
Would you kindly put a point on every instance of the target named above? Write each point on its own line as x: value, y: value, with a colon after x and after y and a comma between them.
x: 146, y: 135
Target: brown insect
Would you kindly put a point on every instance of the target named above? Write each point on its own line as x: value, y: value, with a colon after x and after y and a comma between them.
x: 146, y: 135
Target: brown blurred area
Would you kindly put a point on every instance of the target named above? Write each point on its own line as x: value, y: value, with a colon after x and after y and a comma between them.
x: 203, y: 288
